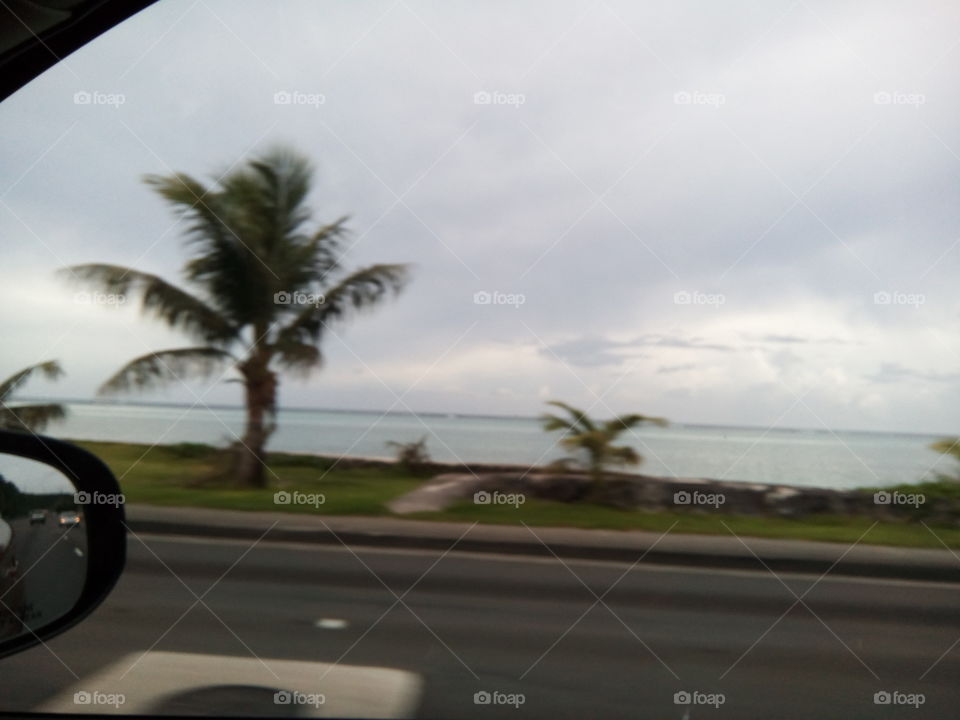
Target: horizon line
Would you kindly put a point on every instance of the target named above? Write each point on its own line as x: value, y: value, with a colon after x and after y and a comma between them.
x: 442, y: 413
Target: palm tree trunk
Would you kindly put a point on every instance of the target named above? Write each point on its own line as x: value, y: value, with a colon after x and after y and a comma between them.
x: 598, y: 478
x: 261, y: 386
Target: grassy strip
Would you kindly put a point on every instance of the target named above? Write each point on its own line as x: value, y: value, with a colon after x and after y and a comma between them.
x: 166, y: 475
x: 827, y: 528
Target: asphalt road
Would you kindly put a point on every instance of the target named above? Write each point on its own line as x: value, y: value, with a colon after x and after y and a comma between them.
x: 530, y: 627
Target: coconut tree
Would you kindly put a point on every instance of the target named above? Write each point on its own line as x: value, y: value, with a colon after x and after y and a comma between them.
x: 32, y: 417
x: 594, y: 439
x: 261, y: 286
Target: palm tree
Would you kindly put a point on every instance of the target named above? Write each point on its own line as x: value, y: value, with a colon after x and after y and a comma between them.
x: 595, y: 438
x: 261, y: 289
x: 34, y: 417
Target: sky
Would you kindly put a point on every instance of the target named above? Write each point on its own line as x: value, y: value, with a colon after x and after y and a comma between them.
x: 741, y: 214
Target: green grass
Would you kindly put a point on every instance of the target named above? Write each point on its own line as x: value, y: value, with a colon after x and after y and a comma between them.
x: 827, y: 528
x: 166, y: 475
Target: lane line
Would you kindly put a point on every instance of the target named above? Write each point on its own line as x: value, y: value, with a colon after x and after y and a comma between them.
x: 524, y: 559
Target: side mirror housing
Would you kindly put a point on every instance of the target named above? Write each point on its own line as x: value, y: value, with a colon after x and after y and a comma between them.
x: 62, y: 537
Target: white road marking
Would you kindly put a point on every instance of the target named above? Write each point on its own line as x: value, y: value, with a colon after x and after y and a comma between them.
x: 330, y: 624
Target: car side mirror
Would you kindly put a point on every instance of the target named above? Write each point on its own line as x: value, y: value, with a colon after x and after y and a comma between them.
x: 62, y: 537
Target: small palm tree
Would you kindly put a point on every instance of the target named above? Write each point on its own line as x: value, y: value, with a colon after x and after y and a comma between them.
x: 948, y: 446
x: 33, y: 417
x: 261, y: 290
x: 412, y: 457
x: 595, y: 439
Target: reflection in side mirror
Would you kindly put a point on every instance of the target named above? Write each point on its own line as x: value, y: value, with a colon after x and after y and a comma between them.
x: 43, y: 547
x: 62, y: 537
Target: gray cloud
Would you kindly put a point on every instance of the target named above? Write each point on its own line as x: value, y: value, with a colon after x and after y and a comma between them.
x: 596, y: 351
x: 896, y: 373
x: 797, y: 198
x: 669, y: 369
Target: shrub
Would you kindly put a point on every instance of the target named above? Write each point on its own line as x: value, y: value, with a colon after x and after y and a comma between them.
x: 412, y: 457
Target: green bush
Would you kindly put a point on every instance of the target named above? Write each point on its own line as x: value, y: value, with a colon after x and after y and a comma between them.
x: 190, y: 450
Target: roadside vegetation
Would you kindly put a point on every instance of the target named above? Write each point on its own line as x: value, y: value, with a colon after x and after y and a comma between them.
x: 176, y: 475
x: 949, y: 446
x: 825, y: 528
x: 592, y: 441
x: 412, y: 457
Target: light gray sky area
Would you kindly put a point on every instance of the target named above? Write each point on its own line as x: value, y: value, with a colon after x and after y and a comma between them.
x: 738, y: 212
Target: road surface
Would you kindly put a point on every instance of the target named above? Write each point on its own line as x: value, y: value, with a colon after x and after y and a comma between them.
x: 528, y: 629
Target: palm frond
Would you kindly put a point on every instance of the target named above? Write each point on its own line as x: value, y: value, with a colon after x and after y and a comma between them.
x: 580, y: 418
x: 358, y: 291
x: 156, y: 369
x: 30, y: 418
x: 222, y: 232
x: 247, y: 234
x: 553, y: 422
x: 50, y: 369
x: 323, y: 246
x: 299, y: 357
x: 947, y: 446
x: 174, y: 306
x: 179, y: 189
x: 284, y: 182
x: 199, y: 204
x: 363, y: 288
x: 622, y: 455
x: 626, y: 422
x: 307, y: 260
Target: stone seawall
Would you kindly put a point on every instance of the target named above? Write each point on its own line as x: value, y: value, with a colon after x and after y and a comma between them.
x: 645, y: 492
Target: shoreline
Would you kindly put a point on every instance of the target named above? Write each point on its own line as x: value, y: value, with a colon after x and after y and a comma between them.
x: 434, y: 468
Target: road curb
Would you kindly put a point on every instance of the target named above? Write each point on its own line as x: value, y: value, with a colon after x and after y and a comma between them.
x: 926, y: 571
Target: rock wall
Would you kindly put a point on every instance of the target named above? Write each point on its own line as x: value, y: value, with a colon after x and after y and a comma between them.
x: 671, y: 494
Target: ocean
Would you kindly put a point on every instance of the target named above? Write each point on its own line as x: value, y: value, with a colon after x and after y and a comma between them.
x: 841, y: 459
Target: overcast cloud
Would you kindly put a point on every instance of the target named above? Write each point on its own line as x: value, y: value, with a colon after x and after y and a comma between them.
x: 739, y: 213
